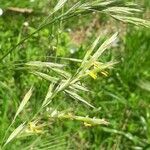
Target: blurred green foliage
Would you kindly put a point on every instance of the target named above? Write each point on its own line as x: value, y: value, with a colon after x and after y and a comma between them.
x: 123, y: 103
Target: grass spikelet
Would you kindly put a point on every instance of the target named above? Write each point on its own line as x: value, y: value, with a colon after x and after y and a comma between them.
x: 45, y: 76
x: 77, y: 97
x: 59, y: 5
x: 44, y: 64
x: 88, y: 53
x: 132, y: 20
x: 87, y: 120
x: 49, y: 94
x: 15, y: 133
x: 122, y: 10
x: 144, y: 85
x: 62, y: 73
x: 104, y: 46
x: 24, y: 102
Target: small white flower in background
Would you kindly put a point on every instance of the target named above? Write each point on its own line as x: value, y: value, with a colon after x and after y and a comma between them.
x: 1, y: 12
x: 115, y: 43
x: 69, y: 30
x: 26, y: 24
x: 73, y: 49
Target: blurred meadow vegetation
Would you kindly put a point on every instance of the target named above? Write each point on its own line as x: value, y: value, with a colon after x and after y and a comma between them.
x: 75, y: 75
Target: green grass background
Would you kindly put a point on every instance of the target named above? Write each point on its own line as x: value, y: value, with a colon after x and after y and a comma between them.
x: 119, y: 96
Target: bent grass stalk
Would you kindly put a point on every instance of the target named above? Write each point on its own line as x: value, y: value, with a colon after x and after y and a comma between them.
x: 111, y: 8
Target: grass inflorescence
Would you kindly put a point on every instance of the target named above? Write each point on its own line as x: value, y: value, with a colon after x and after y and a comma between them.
x: 49, y: 79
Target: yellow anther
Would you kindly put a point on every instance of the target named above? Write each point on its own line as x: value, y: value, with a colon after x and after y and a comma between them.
x: 105, y: 73
x: 87, y: 124
x: 35, y: 128
x: 93, y: 74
